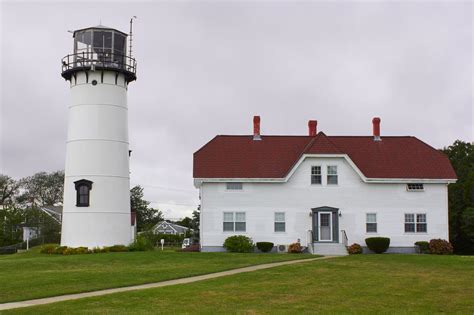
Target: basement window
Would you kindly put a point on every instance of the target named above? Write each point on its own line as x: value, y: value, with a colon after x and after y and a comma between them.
x: 234, y: 186
x: 415, y: 187
x: 83, y: 188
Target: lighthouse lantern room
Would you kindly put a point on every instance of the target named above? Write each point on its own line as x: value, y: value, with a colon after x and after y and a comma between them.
x: 96, y: 206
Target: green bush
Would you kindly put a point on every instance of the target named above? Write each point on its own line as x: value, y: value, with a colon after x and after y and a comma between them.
x: 422, y: 247
x: 118, y: 248
x: 264, y: 246
x: 48, y: 249
x: 60, y: 250
x: 378, y: 244
x: 295, y: 248
x: 141, y: 244
x: 354, y: 249
x: 440, y: 247
x: 96, y: 250
x: 83, y: 250
x: 239, y: 244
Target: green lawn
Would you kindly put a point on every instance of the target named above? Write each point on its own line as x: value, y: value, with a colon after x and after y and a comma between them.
x: 357, y: 284
x: 32, y: 275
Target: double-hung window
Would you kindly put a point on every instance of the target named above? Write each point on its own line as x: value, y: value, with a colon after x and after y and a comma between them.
x: 332, y: 174
x: 83, y: 188
x: 234, y: 222
x: 316, y: 175
x: 371, y: 223
x: 415, y: 223
x: 280, y: 224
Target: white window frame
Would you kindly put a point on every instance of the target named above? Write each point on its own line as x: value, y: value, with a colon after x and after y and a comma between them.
x: 234, y: 221
x: 328, y: 174
x: 320, y: 175
x: 415, y: 222
x: 279, y: 221
x: 374, y: 222
x: 244, y: 221
x: 415, y: 187
x: 227, y: 221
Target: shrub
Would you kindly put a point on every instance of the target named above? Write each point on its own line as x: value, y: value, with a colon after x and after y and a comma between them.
x: 191, y: 248
x: 354, y: 249
x: 96, y: 250
x: 82, y: 250
x: 141, y: 244
x: 440, y: 247
x: 70, y: 251
x: 105, y: 249
x: 264, y: 246
x: 378, y: 244
x: 118, y: 248
x: 60, y: 250
x: 295, y: 248
x: 48, y: 249
x: 422, y: 247
x: 238, y: 244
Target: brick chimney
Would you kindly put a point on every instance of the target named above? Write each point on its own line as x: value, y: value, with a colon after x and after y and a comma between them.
x: 312, y: 128
x: 256, y: 128
x: 376, y: 128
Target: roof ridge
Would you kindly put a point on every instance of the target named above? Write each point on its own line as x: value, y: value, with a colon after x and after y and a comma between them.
x: 322, y: 135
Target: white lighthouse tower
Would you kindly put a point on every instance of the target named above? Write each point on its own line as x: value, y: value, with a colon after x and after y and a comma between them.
x: 96, y: 207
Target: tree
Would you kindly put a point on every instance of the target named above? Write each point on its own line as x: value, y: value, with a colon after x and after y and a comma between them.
x: 186, y: 222
x: 461, y: 197
x: 8, y: 189
x: 146, y: 217
x: 196, y: 223
x: 44, y: 189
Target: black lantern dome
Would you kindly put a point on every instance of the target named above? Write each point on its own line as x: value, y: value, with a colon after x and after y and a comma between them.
x: 99, y: 48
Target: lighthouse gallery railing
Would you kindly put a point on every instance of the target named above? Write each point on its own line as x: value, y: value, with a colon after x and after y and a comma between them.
x: 99, y: 60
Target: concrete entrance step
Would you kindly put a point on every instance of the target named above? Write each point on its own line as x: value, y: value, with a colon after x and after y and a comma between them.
x: 332, y: 249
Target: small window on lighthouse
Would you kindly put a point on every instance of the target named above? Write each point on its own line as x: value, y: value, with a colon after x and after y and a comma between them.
x: 83, y: 188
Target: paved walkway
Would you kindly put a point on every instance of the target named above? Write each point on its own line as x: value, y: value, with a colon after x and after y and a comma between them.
x: 67, y: 297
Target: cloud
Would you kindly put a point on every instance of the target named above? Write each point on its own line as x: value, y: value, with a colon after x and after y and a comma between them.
x: 205, y: 68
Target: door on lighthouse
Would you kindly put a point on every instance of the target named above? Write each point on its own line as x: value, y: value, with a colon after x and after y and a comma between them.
x: 325, y: 226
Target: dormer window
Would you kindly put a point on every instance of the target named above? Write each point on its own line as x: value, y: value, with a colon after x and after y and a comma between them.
x: 415, y: 187
x: 83, y: 188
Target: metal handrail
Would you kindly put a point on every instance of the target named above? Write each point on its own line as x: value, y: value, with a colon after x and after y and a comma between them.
x: 310, y: 240
x: 345, y: 240
x: 99, y: 59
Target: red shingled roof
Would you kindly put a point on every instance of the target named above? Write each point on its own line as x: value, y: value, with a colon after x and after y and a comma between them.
x: 275, y: 156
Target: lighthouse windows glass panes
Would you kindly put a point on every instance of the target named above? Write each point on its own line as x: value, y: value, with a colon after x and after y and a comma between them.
x: 83, y: 188
x: 103, y: 45
x: 83, y: 42
x: 119, y: 49
x: 83, y: 195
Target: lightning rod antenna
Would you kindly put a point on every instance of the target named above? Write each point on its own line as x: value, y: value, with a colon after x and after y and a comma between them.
x: 131, y: 34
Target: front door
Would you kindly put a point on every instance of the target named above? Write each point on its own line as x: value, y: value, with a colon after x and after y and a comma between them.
x: 325, y: 226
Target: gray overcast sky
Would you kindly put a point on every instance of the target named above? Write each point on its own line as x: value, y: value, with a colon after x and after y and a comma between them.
x: 205, y: 68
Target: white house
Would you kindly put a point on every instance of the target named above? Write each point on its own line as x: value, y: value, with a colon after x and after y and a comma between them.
x: 324, y: 191
x: 165, y: 227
